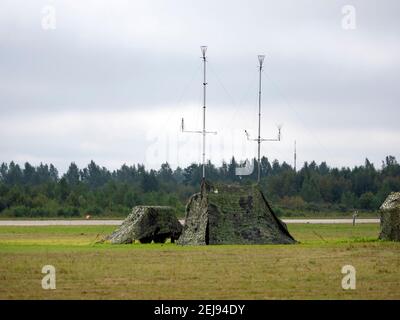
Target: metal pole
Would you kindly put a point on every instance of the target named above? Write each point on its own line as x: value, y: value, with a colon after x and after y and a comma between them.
x: 259, y: 125
x: 295, y: 157
x: 259, y: 139
x: 203, y: 131
x: 204, y: 115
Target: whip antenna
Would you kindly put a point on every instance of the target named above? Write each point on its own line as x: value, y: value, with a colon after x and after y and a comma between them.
x: 259, y: 139
x: 203, y: 132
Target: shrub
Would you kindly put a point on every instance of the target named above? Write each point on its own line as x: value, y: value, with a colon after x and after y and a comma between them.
x: 95, y: 211
x: 20, y: 211
x: 40, y: 212
x: 367, y: 201
x: 68, y: 212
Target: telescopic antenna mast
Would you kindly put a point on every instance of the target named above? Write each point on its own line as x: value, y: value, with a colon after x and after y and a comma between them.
x: 203, y: 132
x: 259, y: 139
x: 295, y: 156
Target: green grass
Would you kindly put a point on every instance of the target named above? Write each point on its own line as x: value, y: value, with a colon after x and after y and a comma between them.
x: 114, y: 217
x: 308, y: 270
x: 333, y: 233
x: 285, y: 214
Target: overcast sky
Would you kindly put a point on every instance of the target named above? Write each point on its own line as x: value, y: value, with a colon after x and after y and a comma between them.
x: 112, y: 81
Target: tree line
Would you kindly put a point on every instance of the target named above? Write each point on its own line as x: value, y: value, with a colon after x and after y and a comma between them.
x: 40, y: 191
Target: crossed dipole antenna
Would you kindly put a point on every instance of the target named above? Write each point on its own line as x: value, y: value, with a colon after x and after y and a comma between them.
x: 203, y: 132
x: 259, y: 139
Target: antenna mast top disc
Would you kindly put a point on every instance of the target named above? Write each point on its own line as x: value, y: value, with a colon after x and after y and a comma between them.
x: 261, y: 58
x: 203, y: 50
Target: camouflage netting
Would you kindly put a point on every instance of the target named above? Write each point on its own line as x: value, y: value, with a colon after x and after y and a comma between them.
x: 390, y: 218
x: 148, y: 223
x: 231, y: 214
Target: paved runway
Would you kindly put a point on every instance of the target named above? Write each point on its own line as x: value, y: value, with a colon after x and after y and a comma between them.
x: 330, y: 221
x: 118, y: 222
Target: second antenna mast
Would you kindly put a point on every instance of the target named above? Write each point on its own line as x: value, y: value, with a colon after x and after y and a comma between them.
x: 203, y: 132
x: 259, y: 139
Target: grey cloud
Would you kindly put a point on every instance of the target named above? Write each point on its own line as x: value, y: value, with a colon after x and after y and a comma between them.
x: 144, y: 56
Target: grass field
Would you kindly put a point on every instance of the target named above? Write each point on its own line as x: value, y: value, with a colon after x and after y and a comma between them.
x: 88, y: 270
x: 181, y: 215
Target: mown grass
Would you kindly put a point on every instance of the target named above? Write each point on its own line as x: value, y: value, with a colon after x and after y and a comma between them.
x: 284, y: 214
x: 88, y: 270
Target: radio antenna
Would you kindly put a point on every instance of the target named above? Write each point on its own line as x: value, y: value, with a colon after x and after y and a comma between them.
x: 295, y: 156
x: 259, y: 139
x: 203, y: 132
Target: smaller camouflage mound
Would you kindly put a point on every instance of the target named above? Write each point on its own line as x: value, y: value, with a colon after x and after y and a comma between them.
x: 148, y: 223
x: 390, y: 218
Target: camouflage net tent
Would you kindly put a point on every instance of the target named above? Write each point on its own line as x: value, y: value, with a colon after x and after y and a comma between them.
x: 232, y: 214
x: 390, y: 218
x: 147, y: 224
